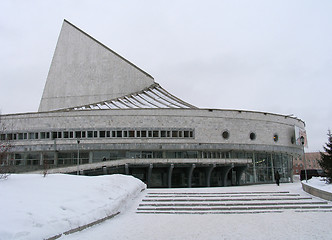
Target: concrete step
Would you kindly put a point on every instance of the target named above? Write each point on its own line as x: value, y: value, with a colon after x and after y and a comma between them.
x: 214, y: 193
x: 183, y: 202
x: 219, y: 195
x: 224, y: 199
x: 229, y: 208
x: 198, y: 204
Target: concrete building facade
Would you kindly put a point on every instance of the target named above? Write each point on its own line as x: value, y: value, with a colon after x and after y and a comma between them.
x: 102, y: 114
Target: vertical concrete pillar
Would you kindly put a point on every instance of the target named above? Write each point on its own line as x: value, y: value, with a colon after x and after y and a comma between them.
x: 254, y: 166
x: 208, y: 175
x: 169, y: 177
x: 224, y: 173
x: 90, y: 157
x: 272, y: 167
x: 56, y: 154
x: 191, y: 170
x: 290, y: 157
x: 41, y: 160
x: 126, y: 169
x: 149, y: 175
x: 239, y: 172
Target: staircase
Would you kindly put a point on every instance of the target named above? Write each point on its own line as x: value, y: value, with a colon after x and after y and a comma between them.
x: 184, y: 202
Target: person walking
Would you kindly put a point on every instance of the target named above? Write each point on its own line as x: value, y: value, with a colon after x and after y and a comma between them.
x: 277, y: 177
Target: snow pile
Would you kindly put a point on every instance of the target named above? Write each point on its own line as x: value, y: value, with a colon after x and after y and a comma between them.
x: 319, y: 183
x: 34, y: 207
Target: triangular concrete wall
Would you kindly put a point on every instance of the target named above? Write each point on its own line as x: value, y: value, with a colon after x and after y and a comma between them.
x: 84, y: 71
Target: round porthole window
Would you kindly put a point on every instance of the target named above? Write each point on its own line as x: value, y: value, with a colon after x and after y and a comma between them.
x: 225, y: 134
x: 252, y: 136
x: 275, y: 137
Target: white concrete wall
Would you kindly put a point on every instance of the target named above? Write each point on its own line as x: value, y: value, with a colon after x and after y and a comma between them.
x: 208, y: 126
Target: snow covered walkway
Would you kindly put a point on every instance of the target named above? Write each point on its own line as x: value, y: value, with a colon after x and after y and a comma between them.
x: 299, y: 223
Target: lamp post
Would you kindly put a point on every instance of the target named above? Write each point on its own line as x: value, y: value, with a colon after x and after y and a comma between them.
x: 78, y: 157
x: 305, y: 165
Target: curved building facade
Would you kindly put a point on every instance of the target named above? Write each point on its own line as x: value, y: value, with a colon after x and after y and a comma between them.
x: 101, y: 114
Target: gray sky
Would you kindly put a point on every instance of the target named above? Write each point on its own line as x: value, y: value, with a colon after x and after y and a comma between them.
x: 271, y: 56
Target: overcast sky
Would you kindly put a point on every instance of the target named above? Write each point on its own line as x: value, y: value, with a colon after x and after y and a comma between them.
x: 271, y: 56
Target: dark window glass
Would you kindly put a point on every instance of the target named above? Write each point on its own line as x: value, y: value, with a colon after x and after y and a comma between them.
x: 119, y: 134
x: 225, y: 134
x: 102, y: 134
x: 78, y: 134
x: 252, y: 136
x: 131, y: 134
x: 90, y: 134
x: 66, y: 134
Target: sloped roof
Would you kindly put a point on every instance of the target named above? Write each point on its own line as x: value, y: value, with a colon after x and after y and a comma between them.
x: 152, y: 97
x: 85, y: 74
x: 85, y: 71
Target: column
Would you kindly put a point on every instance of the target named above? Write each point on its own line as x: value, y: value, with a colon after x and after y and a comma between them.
x: 208, y: 175
x: 169, y: 178
x: 190, y: 174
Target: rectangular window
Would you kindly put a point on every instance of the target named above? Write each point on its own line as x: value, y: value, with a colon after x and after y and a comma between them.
x: 191, y: 134
x: 186, y: 134
x: 131, y: 134
x: 119, y: 134
x: 143, y: 134
x: 150, y: 134
x: 59, y: 134
x: 25, y: 135
x: 31, y: 136
x: 20, y: 136
x: 95, y: 134
x: 155, y: 134
x: 54, y: 135
x: 108, y: 134
x: 174, y: 134
x: 71, y: 134
x: 114, y: 134
x: 78, y: 134
x: 9, y: 136
x: 65, y: 134
x: 125, y: 134
x: 90, y: 134
x: 102, y: 134
x: 138, y: 134
x: 163, y: 134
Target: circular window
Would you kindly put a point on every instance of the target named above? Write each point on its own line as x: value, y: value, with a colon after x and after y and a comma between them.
x: 252, y: 136
x: 225, y: 134
x: 275, y: 137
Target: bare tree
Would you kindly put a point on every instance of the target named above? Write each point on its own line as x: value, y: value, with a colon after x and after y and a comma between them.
x: 5, y: 146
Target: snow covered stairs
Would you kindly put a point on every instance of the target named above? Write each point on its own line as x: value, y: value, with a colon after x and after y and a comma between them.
x: 202, y: 202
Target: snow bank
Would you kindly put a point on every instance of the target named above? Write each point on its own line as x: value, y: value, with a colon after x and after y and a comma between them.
x: 319, y: 183
x: 34, y: 207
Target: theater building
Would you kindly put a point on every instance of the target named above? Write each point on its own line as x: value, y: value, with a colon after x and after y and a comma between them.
x: 102, y: 114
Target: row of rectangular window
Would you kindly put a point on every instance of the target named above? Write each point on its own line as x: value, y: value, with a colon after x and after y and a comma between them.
x: 100, y: 134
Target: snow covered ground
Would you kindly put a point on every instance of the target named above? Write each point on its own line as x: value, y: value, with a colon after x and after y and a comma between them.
x: 318, y: 182
x: 33, y: 207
